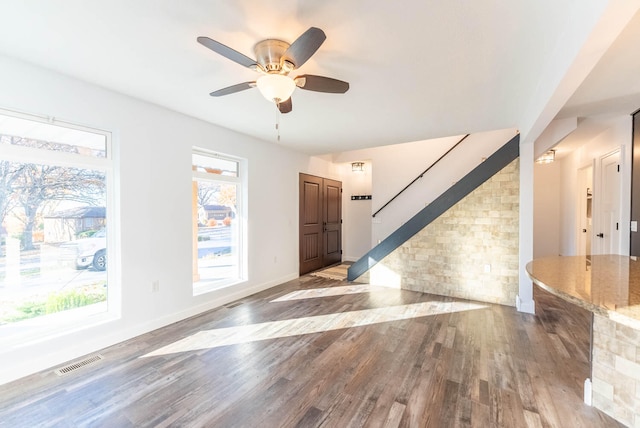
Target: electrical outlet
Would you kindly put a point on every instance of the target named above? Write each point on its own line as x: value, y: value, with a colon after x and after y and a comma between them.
x: 487, y: 268
x: 155, y: 286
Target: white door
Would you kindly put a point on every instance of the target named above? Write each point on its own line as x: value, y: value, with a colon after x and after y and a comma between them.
x: 607, y: 235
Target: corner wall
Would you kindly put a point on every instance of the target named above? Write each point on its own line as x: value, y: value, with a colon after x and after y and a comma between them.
x: 470, y: 252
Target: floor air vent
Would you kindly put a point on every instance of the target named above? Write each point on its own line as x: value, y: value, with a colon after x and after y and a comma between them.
x: 78, y: 364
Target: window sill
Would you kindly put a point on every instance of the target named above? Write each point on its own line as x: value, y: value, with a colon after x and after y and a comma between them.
x: 40, y: 329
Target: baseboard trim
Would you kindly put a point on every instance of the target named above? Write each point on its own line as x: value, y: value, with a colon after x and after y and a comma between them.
x: 528, y: 307
x: 54, y: 358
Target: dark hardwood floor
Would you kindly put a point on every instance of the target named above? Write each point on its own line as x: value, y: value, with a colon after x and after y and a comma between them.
x: 296, y: 355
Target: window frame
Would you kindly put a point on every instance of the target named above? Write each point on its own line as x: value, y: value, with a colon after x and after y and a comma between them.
x: 63, y: 323
x: 239, y: 180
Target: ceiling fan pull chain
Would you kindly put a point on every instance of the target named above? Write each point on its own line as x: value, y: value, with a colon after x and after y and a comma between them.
x: 278, y: 120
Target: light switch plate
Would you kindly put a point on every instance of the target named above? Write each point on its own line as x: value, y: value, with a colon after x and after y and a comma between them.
x: 634, y: 226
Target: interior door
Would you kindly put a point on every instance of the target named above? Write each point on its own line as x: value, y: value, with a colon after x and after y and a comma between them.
x: 608, y: 196
x: 332, y: 218
x: 320, y: 222
x: 311, y: 227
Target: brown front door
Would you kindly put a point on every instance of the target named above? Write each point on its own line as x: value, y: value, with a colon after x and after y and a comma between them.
x: 320, y: 222
x: 332, y: 218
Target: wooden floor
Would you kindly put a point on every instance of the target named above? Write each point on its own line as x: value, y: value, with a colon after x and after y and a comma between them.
x: 313, y: 352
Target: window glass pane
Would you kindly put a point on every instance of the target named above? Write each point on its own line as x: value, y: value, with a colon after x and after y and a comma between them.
x: 217, y: 228
x: 53, y: 248
x: 29, y: 133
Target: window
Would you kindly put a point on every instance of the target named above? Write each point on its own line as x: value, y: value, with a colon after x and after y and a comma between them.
x: 217, y: 221
x: 54, y: 193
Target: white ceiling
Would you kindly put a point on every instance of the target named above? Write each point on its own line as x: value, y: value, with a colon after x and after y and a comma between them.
x: 611, y: 90
x: 418, y: 69
x: 613, y: 86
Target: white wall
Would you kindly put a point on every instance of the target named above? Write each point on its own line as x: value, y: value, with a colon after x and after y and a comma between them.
x: 356, y: 229
x: 617, y: 134
x: 524, y: 299
x: 569, y: 221
x: 546, y: 205
x: 153, y: 163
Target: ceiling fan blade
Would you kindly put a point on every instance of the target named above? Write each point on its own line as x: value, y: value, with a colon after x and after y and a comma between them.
x: 304, y: 46
x: 321, y: 84
x: 233, y: 89
x: 227, y: 52
x: 285, y: 106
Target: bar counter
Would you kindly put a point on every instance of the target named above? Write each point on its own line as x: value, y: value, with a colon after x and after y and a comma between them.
x: 609, y: 287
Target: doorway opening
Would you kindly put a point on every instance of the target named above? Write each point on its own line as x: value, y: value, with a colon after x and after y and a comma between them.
x: 585, y: 210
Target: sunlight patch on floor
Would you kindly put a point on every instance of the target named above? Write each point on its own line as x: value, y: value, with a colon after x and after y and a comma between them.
x: 326, y: 292
x: 384, y: 276
x: 208, y: 339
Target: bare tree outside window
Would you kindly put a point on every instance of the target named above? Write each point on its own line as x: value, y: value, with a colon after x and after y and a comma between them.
x: 217, y: 237
x: 52, y: 220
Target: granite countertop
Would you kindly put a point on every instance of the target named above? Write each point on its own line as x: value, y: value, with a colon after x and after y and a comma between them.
x: 608, y: 285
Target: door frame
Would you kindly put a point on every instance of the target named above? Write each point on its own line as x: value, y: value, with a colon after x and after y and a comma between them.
x: 597, y: 245
x: 585, y: 210
x: 314, y: 225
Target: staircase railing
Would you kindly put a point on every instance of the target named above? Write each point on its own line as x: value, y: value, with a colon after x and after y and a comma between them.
x: 487, y: 169
x: 421, y: 175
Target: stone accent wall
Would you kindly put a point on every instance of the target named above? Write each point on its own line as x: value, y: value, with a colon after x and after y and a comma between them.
x: 616, y: 370
x: 471, y: 251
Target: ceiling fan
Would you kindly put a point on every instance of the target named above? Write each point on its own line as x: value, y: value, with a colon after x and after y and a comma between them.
x: 275, y: 59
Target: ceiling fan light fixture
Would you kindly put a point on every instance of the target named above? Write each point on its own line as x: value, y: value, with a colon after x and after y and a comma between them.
x: 276, y: 87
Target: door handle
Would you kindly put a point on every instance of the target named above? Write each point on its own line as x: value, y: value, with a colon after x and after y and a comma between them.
x: 600, y: 235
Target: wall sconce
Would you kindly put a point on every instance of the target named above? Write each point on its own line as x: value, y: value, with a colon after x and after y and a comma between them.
x: 548, y: 157
x: 357, y: 166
